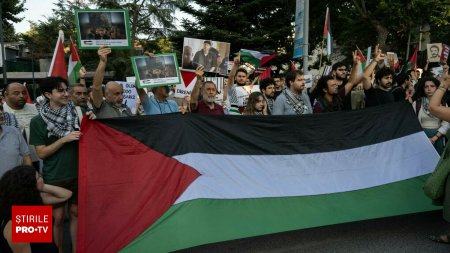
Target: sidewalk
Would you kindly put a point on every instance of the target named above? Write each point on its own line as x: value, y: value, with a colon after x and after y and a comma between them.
x: 407, y: 233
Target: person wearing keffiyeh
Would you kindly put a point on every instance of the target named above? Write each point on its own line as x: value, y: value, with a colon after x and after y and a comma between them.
x: 434, y: 128
x: 16, y: 96
x: 55, y: 133
x: 13, y: 148
x: 267, y: 87
x: 10, y: 120
x: 292, y: 101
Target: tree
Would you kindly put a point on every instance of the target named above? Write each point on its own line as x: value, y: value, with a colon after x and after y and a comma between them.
x: 256, y: 24
x: 42, y: 34
x: 385, y: 22
x: 10, y: 11
x: 149, y: 19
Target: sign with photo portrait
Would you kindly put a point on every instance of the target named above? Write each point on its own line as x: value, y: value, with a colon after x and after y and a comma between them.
x: 103, y: 27
x: 434, y: 52
x: 212, y: 55
x: 160, y: 70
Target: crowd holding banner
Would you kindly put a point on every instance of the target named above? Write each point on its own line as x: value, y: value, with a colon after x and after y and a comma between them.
x: 47, y: 134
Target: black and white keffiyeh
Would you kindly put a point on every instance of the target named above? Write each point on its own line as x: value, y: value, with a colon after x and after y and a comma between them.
x: 10, y: 120
x: 296, y: 102
x: 62, y: 121
x: 269, y: 102
x: 425, y: 104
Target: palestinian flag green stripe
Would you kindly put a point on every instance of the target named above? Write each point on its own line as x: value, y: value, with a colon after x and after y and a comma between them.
x: 203, y: 221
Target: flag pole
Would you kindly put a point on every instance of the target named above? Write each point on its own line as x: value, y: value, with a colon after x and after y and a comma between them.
x: 321, y: 55
x: 325, y: 33
x: 305, y: 36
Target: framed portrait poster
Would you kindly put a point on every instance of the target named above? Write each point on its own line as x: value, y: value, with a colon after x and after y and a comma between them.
x: 160, y: 70
x: 212, y: 55
x: 103, y: 27
x: 434, y: 52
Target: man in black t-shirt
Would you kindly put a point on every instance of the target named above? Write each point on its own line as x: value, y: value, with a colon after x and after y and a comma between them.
x: 380, y: 94
x: 402, y: 84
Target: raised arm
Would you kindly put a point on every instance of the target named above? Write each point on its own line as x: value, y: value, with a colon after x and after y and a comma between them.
x: 445, y: 70
x: 231, y: 76
x: 197, y: 87
x: 426, y: 65
x: 97, y: 92
x: 225, y: 91
x: 141, y: 92
x: 379, y: 56
x: 255, y: 81
x: 435, y: 106
x: 82, y: 74
x: 354, y: 79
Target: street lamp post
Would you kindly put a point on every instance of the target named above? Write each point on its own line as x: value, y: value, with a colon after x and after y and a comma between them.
x: 424, y: 28
x: 306, y: 38
x: 32, y: 73
x: 2, y: 41
x: 30, y: 50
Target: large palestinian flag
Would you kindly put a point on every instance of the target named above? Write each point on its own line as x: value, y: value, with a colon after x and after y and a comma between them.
x: 167, y: 182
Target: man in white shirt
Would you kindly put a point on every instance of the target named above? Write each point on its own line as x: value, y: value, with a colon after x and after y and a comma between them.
x: 16, y: 103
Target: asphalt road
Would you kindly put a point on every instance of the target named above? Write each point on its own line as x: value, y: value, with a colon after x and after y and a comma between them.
x: 406, y: 233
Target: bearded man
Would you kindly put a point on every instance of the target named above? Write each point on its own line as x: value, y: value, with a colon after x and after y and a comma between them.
x: 207, y: 104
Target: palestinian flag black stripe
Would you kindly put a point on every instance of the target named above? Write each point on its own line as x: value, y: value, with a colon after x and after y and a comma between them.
x: 276, y: 135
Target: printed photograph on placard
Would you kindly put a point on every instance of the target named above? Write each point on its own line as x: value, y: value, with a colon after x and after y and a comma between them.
x: 212, y: 55
x: 103, y: 27
x: 434, y: 52
x: 160, y: 70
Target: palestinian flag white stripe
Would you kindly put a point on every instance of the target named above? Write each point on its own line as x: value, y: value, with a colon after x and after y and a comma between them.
x: 261, y: 176
x: 256, y: 54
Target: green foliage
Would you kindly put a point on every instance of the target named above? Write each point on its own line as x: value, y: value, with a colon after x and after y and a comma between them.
x: 148, y: 18
x: 11, y: 10
x: 160, y: 45
x: 256, y: 24
x: 361, y: 22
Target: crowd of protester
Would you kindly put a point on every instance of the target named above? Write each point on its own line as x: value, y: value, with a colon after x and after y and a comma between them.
x: 45, y: 135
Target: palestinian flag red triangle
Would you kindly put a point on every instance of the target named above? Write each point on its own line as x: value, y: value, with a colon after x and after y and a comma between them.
x: 188, y: 77
x: 135, y: 191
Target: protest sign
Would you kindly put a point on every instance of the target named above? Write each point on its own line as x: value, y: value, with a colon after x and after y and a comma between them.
x: 308, y: 81
x: 160, y: 70
x: 434, y: 52
x: 212, y: 55
x: 129, y: 95
x: 188, y: 80
x: 103, y: 27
